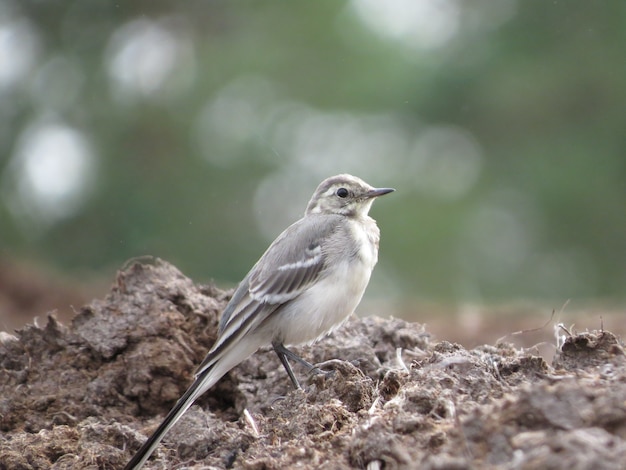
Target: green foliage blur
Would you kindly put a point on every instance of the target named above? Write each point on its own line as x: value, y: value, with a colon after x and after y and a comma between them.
x: 196, y: 131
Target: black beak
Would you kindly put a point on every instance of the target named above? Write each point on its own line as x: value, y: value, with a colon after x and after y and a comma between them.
x: 378, y: 192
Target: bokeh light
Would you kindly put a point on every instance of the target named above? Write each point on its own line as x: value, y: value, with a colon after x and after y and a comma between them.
x: 49, y: 177
x: 197, y: 131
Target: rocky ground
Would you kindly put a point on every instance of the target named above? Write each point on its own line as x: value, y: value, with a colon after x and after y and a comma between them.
x: 86, y: 395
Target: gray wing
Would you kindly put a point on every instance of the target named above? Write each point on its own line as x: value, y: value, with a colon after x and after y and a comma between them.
x: 289, y: 267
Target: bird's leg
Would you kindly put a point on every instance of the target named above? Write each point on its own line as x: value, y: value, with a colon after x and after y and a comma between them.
x: 279, y: 349
x: 284, y: 354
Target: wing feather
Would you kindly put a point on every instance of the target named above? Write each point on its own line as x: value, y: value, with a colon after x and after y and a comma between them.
x: 290, y: 266
x: 251, y: 314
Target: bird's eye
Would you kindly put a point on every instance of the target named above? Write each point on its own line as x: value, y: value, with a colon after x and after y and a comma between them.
x: 342, y: 192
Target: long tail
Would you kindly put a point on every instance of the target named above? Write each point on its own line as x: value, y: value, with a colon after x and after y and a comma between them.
x: 217, y: 363
x: 172, y: 417
x: 229, y: 351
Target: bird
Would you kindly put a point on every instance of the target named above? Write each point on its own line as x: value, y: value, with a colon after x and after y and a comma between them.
x: 306, y: 284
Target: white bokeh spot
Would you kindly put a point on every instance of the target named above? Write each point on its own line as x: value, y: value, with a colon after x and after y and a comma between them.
x: 50, y: 174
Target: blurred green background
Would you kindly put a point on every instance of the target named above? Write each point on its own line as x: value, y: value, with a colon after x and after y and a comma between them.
x: 196, y: 131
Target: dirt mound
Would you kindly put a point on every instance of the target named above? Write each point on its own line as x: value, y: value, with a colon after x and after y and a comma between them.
x: 87, y: 395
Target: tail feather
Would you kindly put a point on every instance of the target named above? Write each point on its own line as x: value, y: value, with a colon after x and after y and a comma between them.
x: 217, y: 363
x: 182, y: 405
x: 222, y: 358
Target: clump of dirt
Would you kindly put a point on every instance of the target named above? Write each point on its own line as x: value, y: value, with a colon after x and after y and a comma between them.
x: 88, y: 394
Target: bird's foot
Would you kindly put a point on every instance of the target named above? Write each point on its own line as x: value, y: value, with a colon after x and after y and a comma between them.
x: 345, y: 367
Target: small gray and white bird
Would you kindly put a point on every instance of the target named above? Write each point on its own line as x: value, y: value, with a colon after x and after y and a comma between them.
x: 309, y: 280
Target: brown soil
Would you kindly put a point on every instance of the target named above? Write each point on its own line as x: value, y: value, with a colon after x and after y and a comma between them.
x: 88, y: 394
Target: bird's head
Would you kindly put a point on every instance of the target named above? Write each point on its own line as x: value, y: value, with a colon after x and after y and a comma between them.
x: 344, y: 195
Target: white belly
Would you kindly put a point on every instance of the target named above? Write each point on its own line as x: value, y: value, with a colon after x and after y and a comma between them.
x: 323, y: 307
x: 333, y: 298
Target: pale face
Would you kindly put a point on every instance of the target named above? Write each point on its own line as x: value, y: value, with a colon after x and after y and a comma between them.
x: 344, y: 195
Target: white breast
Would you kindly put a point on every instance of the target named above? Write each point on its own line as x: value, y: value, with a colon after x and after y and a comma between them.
x: 367, y: 235
x: 336, y: 295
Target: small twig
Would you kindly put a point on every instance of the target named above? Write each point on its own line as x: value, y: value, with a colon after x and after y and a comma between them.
x: 372, y: 408
x: 251, y: 422
x: 558, y: 338
x: 563, y: 307
x: 400, y: 360
x: 529, y: 330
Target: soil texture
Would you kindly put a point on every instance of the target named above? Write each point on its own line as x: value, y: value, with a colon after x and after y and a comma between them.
x: 87, y: 394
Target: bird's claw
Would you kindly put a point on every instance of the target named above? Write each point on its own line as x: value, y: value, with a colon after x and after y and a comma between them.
x: 326, y: 373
